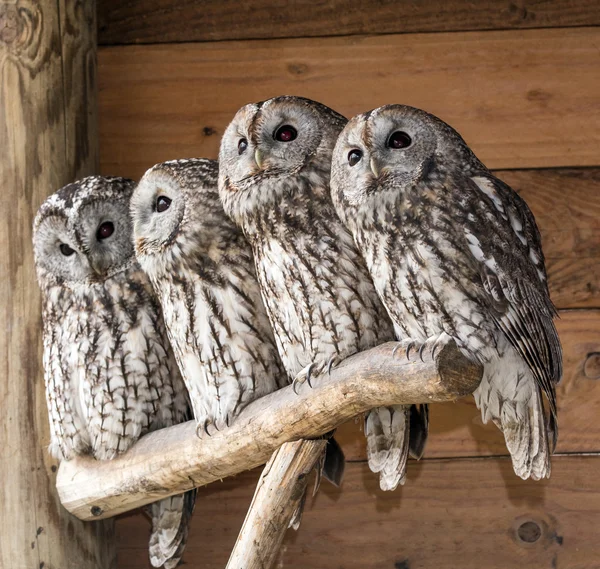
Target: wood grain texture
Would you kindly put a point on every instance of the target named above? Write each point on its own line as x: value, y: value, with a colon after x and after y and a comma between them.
x: 47, y: 138
x: 521, y: 99
x: 280, y: 492
x: 173, y: 460
x: 158, y: 21
x: 456, y: 429
x: 459, y: 513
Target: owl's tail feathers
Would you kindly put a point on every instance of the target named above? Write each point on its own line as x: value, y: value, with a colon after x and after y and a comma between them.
x: 170, y: 526
x: 522, y: 419
x: 387, y: 431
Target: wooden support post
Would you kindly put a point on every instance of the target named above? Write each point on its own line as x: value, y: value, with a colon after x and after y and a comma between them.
x: 278, y: 494
x: 48, y: 137
x: 173, y: 460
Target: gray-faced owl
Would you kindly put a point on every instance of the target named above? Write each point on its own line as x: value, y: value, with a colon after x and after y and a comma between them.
x: 274, y: 183
x: 455, y: 251
x: 202, y: 270
x: 109, y: 371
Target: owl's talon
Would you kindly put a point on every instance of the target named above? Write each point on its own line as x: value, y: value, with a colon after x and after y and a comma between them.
x: 408, y: 349
x: 296, y: 383
x: 202, y: 427
x: 396, y: 347
x: 333, y: 360
x: 227, y: 420
x: 310, y: 368
x: 421, y: 349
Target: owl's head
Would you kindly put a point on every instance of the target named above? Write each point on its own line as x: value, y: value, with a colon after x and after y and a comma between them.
x: 391, y: 148
x: 175, y: 210
x: 82, y: 233
x: 270, y: 148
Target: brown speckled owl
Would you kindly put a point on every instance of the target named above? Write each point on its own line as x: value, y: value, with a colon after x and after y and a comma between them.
x: 274, y: 183
x: 454, y: 251
x: 202, y: 270
x: 110, y: 374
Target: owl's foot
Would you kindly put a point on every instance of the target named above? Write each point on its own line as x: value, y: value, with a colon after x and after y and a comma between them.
x: 304, y: 376
x: 217, y: 425
x: 432, y: 343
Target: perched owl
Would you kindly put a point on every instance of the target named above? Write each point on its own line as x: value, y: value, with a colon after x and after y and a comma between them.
x: 274, y: 183
x: 109, y: 372
x: 454, y: 251
x: 202, y: 270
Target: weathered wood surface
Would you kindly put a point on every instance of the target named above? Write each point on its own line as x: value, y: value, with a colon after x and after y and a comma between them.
x: 157, y: 21
x: 48, y: 137
x: 279, y: 492
x: 460, y: 513
x: 525, y: 98
x: 173, y: 460
x: 456, y: 428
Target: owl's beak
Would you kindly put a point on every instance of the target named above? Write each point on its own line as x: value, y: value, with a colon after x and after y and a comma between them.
x: 375, y: 168
x: 258, y: 158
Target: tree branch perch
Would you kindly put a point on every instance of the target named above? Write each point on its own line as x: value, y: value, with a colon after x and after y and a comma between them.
x: 173, y: 460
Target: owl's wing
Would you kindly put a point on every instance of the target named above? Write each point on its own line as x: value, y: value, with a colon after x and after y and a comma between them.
x: 507, y: 246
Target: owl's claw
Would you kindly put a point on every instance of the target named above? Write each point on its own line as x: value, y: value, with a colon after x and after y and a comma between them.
x: 421, y: 351
x: 409, y: 348
x: 333, y: 360
x: 398, y: 345
x: 202, y: 427
x: 310, y: 368
x: 295, y: 384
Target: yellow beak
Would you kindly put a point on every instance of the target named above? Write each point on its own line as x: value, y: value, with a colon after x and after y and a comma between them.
x: 374, y: 168
x: 258, y: 158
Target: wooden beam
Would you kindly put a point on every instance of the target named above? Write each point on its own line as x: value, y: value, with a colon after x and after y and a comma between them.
x: 158, y: 21
x: 280, y: 491
x: 48, y: 137
x: 467, y: 514
x: 521, y: 99
x: 173, y: 460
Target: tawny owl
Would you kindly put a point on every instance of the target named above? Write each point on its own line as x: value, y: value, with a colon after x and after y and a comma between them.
x: 202, y: 270
x: 453, y: 250
x: 109, y: 372
x: 274, y: 183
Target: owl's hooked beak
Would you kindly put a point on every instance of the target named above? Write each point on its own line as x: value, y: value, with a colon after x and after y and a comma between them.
x: 258, y: 158
x: 375, y: 168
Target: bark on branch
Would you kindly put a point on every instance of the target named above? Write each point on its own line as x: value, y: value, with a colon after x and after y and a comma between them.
x: 173, y: 460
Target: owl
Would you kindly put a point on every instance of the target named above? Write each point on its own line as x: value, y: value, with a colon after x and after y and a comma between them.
x: 109, y: 372
x: 274, y: 171
x: 202, y: 271
x: 454, y: 251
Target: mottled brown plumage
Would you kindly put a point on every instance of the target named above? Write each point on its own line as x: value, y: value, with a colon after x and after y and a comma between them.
x: 109, y: 370
x: 274, y: 183
x: 453, y: 250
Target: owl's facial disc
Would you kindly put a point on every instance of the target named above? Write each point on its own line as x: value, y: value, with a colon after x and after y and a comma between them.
x: 157, y: 209
x: 57, y: 253
x: 104, y: 232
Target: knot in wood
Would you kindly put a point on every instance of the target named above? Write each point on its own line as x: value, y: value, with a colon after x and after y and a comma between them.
x: 591, y: 367
x: 529, y: 532
x: 9, y: 23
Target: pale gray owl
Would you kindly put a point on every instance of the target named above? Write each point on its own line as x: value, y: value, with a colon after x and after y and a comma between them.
x: 109, y: 372
x: 274, y: 183
x: 202, y: 270
x: 453, y: 250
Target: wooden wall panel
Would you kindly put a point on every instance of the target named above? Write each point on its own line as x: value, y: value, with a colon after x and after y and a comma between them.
x: 158, y: 21
x: 457, y: 429
x: 521, y: 98
x: 460, y: 513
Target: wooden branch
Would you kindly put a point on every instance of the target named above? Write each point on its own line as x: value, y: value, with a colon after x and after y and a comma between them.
x: 279, y: 492
x: 173, y: 460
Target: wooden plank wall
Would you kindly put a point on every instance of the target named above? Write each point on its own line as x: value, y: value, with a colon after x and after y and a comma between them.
x: 521, y: 81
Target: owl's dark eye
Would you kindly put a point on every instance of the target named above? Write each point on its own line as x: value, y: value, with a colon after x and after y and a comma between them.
x: 66, y: 250
x: 242, y: 145
x: 286, y: 133
x: 399, y: 139
x: 105, y: 230
x: 163, y: 203
x: 354, y: 157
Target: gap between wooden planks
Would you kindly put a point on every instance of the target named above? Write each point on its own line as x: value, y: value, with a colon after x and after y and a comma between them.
x: 159, y: 21
x: 523, y: 98
x: 451, y: 513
